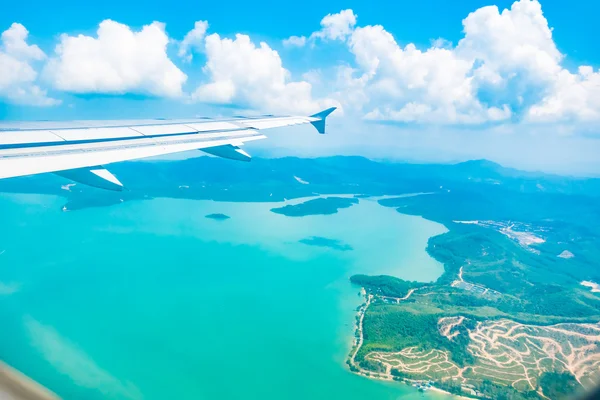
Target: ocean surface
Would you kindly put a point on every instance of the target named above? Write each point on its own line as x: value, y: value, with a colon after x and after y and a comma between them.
x: 151, y: 300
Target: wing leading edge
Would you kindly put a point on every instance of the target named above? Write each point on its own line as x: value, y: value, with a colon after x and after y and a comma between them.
x: 79, y: 153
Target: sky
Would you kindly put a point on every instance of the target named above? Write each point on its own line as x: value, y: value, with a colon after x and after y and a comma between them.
x: 514, y: 82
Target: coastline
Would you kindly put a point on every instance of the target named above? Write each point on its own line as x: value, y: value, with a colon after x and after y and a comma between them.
x: 359, y: 340
x: 18, y: 386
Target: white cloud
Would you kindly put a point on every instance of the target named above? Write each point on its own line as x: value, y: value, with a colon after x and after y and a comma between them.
x: 14, y: 41
x: 519, y: 56
x: 295, y: 41
x: 118, y: 60
x: 336, y: 26
x: 518, y: 39
x: 506, y: 66
x: 333, y: 27
x: 253, y: 76
x: 193, y: 40
x: 410, y: 85
x: 17, y: 74
x: 572, y: 97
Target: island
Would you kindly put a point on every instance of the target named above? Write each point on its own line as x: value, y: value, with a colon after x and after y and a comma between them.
x: 320, y: 206
x: 218, y: 217
x: 326, y: 242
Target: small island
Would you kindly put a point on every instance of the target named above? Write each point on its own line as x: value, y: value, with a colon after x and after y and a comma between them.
x: 326, y: 242
x: 320, y: 206
x: 218, y: 217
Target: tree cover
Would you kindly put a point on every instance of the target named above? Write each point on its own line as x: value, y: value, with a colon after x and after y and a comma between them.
x: 558, y: 386
x: 320, y: 206
x: 384, y: 285
x: 390, y: 328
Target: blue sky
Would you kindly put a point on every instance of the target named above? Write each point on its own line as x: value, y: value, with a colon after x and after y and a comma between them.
x: 515, y: 79
x: 575, y: 25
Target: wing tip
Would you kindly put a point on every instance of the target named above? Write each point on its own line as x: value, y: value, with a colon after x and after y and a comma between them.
x: 319, y: 124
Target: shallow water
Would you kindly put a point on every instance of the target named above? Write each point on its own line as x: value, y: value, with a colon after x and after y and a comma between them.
x: 150, y: 299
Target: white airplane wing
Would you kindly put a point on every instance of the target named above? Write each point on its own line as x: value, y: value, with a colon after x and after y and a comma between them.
x: 79, y: 153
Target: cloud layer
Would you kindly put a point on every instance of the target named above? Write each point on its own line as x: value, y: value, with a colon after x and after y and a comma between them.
x: 505, y: 69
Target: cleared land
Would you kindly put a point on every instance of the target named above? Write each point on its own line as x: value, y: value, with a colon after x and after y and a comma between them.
x: 501, y: 352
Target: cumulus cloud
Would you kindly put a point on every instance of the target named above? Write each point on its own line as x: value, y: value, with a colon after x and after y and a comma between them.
x: 336, y: 26
x: 506, y: 67
x: 14, y: 41
x: 17, y: 73
x: 295, y: 41
x: 518, y: 59
x: 572, y: 97
x: 333, y: 27
x: 252, y: 76
x: 193, y: 40
x: 410, y: 85
x: 118, y: 60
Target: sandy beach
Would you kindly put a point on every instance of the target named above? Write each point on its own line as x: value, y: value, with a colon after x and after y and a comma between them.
x: 16, y: 386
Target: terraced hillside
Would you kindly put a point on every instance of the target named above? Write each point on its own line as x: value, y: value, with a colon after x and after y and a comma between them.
x: 470, y: 353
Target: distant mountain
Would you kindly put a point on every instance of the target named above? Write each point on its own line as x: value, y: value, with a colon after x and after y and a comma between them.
x: 276, y: 179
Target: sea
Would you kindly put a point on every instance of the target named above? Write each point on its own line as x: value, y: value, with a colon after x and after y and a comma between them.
x: 150, y: 299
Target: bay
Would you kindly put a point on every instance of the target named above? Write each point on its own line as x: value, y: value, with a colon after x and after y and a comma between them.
x: 151, y: 299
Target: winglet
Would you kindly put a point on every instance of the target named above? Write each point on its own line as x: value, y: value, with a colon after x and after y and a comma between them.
x: 319, y: 124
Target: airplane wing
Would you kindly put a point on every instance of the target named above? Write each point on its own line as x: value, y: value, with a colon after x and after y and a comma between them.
x: 80, y: 153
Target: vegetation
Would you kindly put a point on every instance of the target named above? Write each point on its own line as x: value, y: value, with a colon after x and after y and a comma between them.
x: 320, y: 206
x: 393, y: 328
x: 524, y: 282
x: 384, y: 285
x: 559, y: 385
x: 487, y: 389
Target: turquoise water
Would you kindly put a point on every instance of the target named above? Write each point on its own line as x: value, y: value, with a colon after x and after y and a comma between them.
x: 150, y: 299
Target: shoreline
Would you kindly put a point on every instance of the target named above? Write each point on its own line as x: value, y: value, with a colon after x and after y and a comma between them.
x: 358, y: 342
x: 18, y: 386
